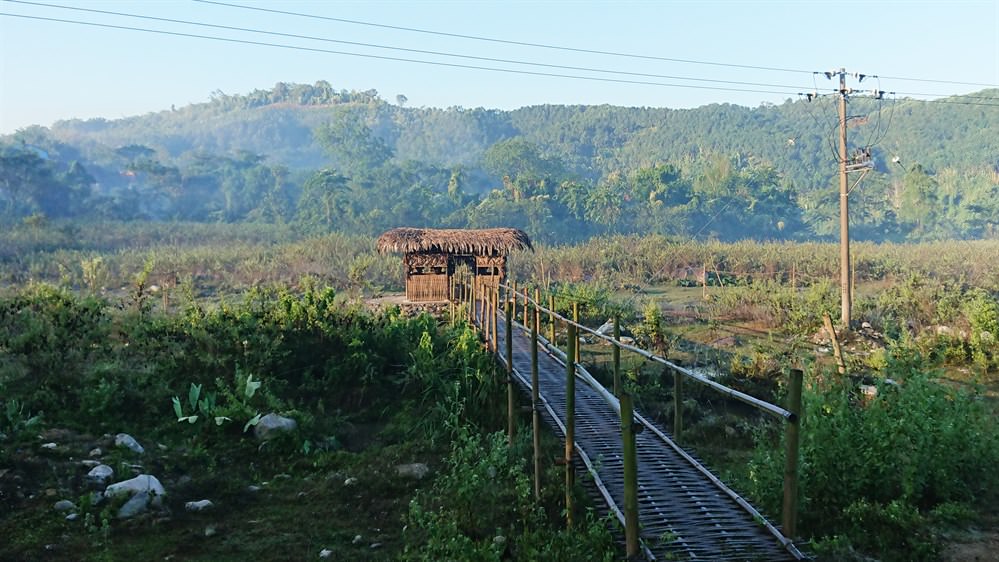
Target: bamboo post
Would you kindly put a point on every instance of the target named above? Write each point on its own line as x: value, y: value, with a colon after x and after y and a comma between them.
x: 794, y: 276
x: 791, y: 434
x: 551, y: 317
x: 575, y: 318
x: 513, y: 289
x: 630, y: 477
x: 509, y: 372
x: 450, y: 298
x: 616, y: 355
x: 570, y: 424
x: 527, y: 307
x: 704, y: 281
x: 834, y: 341
x: 495, y: 326
x: 484, y: 315
x: 677, y: 405
x: 535, y: 406
x: 471, y: 302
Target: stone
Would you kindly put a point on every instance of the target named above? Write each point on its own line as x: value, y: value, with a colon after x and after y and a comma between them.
x: 350, y: 481
x: 100, y: 475
x: 127, y: 441
x: 253, y: 488
x: 272, y: 425
x: 199, y: 505
x: 90, y: 463
x: 49, y: 446
x: 357, y: 539
x: 415, y: 471
x: 145, y: 491
x: 866, y: 326
x: 95, y: 452
x: 72, y: 517
x: 325, y: 553
x: 64, y: 505
x: 376, y: 545
x: 210, y: 531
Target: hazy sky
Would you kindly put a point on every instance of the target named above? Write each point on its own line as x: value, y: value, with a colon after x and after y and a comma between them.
x: 51, y: 70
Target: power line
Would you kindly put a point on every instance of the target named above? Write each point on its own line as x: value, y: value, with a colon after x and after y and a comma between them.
x: 930, y: 80
x: 397, y: 59
x: 507, y: 41
x: 405, y: 49
x: 563, y: 47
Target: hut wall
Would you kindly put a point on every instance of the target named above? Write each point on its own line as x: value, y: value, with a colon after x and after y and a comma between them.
x: 427, y: 287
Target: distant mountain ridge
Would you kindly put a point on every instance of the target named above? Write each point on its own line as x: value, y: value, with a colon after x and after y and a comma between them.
x: 593, y: 141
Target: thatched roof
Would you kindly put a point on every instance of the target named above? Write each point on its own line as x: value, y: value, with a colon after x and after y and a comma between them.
x: 483, y: 242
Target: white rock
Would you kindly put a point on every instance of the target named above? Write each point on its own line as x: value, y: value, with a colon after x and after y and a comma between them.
x: 350, y: 481
x: 199, y: 505
x: 271, y: 425
x: 129, y: 442
x: 100, y: 474
x: 72, y: 516
x: 95, y: 452
x: 866, y: 325
x: 210, y: 531
x: 145, y: 491
x: 416, y: 470
x: 325, y: 553
x: 49, y: 446
x: 357, y: 539
x: 90, y: 463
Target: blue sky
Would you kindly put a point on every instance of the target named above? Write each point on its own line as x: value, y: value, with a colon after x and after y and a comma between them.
x: 51, y: 71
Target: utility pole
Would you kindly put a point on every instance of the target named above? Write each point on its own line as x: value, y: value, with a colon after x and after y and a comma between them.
x: 846, y: 296
x: 859, y: 162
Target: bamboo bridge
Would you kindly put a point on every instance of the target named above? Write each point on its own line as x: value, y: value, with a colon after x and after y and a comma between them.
x: 670, y: 505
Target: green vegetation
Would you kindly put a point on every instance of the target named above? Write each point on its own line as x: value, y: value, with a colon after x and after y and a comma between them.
x: 369, y: 390
x: 324, y: 160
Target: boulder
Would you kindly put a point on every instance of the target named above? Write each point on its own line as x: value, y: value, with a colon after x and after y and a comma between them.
x: 129, y: 442
x: 144, y: 491
x: 64, y: 505
x: 199, y: 505
x: 271, y: 425
x: 100, y: 475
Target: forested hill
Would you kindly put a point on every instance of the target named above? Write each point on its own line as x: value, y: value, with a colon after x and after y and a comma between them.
x: 606, y: 168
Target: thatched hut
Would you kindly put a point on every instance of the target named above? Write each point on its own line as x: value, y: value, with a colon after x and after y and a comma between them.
x: 431, y: 256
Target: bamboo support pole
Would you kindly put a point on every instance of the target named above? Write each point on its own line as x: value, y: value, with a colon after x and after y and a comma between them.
x: 792, y: 433
x: 570, y: 425
x: 630, y: 477
x: 704, y: 281
x: 616, y: 355
x: 450, y: 298
x: 496, y: 301
x: 535, y: 407
x: 527, y: 307
x: 513, y: 291
x: 834, y: 341
x: 551, y: 317
x: 509, y: 373
x: 575, y: 318
x: 677, y: 406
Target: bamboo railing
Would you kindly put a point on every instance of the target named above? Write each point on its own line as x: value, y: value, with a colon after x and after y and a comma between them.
x: 484, y: 309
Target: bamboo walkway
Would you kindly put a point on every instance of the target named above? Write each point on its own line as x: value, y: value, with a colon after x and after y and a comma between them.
x: 685, y: 512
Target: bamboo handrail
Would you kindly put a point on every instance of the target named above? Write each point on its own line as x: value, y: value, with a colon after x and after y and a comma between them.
x: 763, y: 405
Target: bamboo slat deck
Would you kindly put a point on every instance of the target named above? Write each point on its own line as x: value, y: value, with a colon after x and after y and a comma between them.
x: 684, y: 513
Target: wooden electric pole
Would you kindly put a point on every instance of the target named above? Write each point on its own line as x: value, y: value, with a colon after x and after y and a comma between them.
x: 844, y: 209
x: 860, y: 162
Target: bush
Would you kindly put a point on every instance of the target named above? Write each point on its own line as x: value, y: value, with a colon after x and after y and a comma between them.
x: 874, y: 471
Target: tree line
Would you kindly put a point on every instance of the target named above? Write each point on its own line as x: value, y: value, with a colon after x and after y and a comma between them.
x: 562, y: 173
